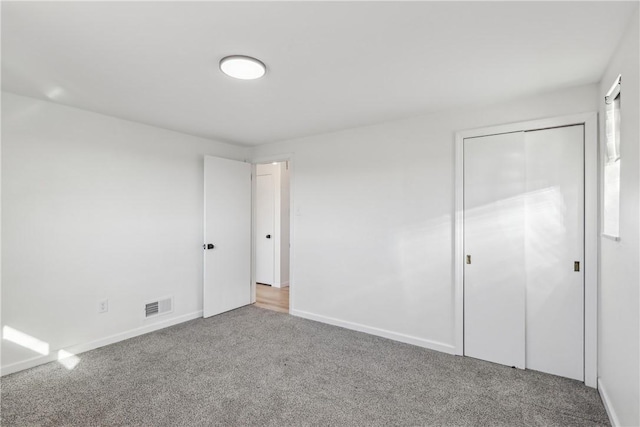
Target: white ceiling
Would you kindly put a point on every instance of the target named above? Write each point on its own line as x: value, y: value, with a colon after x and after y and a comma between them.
x: 330, y: 65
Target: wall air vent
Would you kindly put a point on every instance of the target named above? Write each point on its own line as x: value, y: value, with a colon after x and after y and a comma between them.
x: 151, y: 309
x: 156, y: 308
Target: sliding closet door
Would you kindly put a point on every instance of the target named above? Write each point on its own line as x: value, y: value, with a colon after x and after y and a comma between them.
x: 554, y: 243
x: 524, y: 241
x: 494, y: 275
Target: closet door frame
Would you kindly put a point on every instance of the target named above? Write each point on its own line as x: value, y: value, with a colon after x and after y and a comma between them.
x: 591, y: 225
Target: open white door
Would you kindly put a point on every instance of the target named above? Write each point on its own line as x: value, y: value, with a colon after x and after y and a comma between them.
x: 265, y: 229
x: 227, y: 234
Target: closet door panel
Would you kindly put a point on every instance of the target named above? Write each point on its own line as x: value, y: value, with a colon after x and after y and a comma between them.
x: 494, y: 280
x: 554, y: 242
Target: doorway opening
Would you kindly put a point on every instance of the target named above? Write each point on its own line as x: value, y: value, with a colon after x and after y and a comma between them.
x: 272, y: 235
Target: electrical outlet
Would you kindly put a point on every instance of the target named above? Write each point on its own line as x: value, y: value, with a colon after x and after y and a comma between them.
x: 103, y: 306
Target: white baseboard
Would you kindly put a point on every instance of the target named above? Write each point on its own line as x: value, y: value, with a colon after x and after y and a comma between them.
x: 408, y: 339
x: 81, y: 348
x: 613, y: 418
x: 279, y: 285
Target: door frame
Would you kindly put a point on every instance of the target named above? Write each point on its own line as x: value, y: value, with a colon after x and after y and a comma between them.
x: 591, y: 225
x: 288, y: 157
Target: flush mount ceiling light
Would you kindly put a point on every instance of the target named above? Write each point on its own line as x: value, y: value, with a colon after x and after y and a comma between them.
x: 242, y: 67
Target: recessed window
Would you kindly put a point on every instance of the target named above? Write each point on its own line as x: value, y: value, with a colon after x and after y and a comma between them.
x: 611, y: 214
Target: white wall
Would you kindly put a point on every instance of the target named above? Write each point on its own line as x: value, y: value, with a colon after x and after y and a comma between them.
x: 95, y: 207
x: 618, y: 335
x: 373, y: 218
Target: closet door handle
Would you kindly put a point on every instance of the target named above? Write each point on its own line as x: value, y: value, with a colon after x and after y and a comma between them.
x: 268, y: 236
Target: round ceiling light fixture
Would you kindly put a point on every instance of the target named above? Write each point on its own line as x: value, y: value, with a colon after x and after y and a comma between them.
x: 242, y: 67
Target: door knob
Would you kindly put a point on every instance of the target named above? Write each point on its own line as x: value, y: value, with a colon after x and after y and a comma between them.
x: 208, y: 246
x: 268, y: 236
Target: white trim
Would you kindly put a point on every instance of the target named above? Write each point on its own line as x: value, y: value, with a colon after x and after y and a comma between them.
x: 101, y: 342
x: 275, y: 158
x: 254, y: 180
x: 284, y: 284
x: 592, y: 227
x: 458, y: 244
x: 591, y: 248
x: 614, y: 91
x: 613, y: 418
x: 285, y: 157
x: 610, y: 237
x: 408, y: 339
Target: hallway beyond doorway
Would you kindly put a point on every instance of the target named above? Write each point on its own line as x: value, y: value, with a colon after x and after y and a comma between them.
x: 271, y: 298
